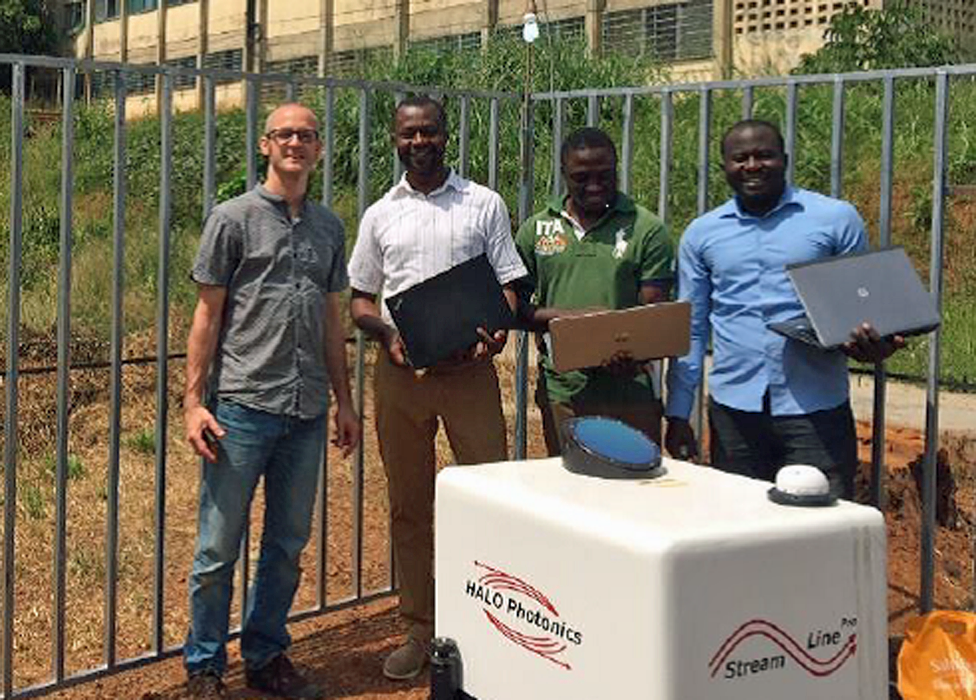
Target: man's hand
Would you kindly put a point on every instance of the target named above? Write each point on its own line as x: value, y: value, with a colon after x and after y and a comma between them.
x: 867, y: 346
x: 489, y: 345
x: 395, y: 347
x: 680, y: 439
x: 200, y: 426
x: 347, y: 430
x: 622, y: 365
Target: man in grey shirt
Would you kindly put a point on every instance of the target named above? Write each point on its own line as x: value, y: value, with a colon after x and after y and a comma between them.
x: 267, y: 340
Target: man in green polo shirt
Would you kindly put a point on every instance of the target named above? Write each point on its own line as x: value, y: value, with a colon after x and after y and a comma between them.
x: 594, y: 249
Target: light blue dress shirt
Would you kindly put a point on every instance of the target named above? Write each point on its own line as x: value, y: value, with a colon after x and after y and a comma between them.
x: 732, y: 268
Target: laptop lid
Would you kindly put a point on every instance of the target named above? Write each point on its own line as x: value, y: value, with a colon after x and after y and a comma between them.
x: 879, y: 287
x: 647, y: 332
x: 441, y: 315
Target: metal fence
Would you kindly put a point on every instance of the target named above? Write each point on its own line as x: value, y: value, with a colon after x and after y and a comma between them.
x: 548, y: 115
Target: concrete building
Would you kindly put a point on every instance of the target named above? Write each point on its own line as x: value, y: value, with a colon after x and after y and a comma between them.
x: 701, y: 38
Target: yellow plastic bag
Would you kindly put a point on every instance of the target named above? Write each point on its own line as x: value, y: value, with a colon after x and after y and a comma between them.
x: 937, y: 660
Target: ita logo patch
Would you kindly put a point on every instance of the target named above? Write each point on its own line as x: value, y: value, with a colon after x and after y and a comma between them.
x: 550, y: 237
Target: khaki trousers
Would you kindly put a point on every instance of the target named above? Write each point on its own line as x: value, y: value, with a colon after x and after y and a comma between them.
x: 466, y: 397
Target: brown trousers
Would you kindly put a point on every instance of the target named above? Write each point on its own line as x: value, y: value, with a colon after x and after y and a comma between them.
x: 466, y: 397
x: 645, y: 416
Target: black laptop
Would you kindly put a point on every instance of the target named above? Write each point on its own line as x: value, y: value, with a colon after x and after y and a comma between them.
x: 879, y: 287
x: 441, y: 315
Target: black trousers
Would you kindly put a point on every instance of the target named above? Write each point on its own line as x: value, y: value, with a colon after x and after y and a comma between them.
x: 758, y: 444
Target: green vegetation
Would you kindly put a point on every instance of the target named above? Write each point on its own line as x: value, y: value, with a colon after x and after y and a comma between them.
x: 143, y: 442
x: 901, y: 36
x: 560, y: 66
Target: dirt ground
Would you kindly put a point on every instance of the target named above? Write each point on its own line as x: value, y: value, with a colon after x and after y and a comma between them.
x: 343, y: 650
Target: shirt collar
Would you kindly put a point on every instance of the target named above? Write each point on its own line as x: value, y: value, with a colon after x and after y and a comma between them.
x: 733, y: 208
x: 277, y: 199
x: 454, y: 181
x: 622, y: 204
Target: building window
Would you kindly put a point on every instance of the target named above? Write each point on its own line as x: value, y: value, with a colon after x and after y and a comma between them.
x: 225, y: 60
x: 677, y: 31
x: 106, y: 10
x: 183, y: 81
x: 136, y: 7
x: 74, y: 17
x: 444, y: 44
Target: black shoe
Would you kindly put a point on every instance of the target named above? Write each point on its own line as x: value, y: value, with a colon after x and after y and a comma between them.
x: 206, y: 686
x: 280, y: 678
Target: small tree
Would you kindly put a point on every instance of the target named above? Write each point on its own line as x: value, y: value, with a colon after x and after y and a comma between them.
x: 26, y: 26
x: 861, y: 39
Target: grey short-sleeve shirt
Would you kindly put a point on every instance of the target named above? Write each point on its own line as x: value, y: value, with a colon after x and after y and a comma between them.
x: 277, y: 271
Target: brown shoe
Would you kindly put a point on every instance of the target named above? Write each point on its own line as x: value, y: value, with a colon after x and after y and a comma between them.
x: 280, y: 678
x: 206, y: 686
x: 406, y: 662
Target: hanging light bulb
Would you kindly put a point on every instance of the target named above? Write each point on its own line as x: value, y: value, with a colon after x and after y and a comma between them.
x: 530, y: 27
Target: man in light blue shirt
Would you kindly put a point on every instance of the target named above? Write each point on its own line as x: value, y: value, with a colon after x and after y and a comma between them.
x: 772, y: 401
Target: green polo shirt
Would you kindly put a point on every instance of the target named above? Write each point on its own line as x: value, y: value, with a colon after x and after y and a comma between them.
x: 606, y: 268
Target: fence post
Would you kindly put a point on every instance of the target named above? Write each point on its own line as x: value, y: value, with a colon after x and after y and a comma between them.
x: 926, y: 595
x: 526, y: 199
x: 13, y: 360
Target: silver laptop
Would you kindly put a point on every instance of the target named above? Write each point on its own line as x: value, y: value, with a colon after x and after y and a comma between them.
x: 839, y: 294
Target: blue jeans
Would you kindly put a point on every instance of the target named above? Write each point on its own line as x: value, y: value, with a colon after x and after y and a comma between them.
x: 287, y: 451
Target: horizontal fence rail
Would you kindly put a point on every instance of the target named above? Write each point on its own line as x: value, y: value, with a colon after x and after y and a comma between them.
x: 491, y: 130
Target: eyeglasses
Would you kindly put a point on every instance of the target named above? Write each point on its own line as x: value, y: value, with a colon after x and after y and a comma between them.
x: 284, y: 136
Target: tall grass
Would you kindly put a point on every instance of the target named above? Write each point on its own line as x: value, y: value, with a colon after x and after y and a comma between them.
x: 558, y: 65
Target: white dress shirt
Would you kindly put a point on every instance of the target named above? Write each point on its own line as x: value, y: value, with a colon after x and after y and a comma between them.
x: 407, y: 237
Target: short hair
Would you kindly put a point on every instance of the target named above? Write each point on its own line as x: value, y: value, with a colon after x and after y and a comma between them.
x: 285, y: 105
x: 754, y: 124
x: 424, y: 101
x: 587, y: 137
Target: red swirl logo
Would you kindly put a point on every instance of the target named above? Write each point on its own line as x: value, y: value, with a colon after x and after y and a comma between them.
x: 523, y: 615
x: 763, y: 628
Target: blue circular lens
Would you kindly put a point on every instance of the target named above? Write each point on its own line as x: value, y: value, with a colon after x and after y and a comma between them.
x: 611, y: 439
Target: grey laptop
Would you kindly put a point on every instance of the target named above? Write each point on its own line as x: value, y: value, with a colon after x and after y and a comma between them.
x: 839, y: 294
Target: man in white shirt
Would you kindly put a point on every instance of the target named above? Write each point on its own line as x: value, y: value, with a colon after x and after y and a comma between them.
x: 427, y: 223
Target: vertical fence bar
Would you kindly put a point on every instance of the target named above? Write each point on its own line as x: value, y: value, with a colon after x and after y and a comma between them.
x: 362, y: 193
x: 704, y: 139
x: 464, y: 136
x: 627, y: 144
x: 252, y: 89
x: 525, y: 203
x: 328, y: 157
x: 667, y: 150
x: 493, y: 144
x: 115, y: 379
x: 558, y: 119
x: 791, y: 100
x: 322, y: 522
x: 64, y: 360
x: 704, y: 136
x: 291, y: 91
x: 927, y: 592
x: 748, y: 100
x: 162, y: 355
x: 593, y: 110
x: 398, y: 97
x: 209, y: 144
x: 13, y: 360
x: 837, y: 140
x: 878, y: 469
